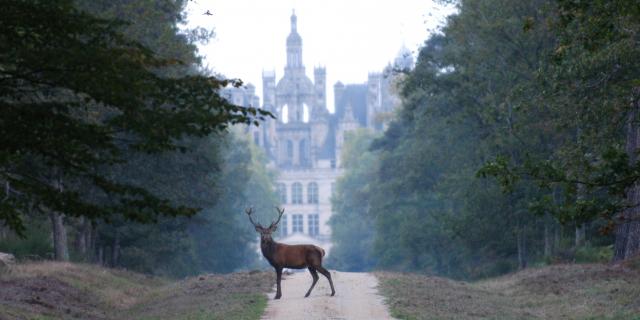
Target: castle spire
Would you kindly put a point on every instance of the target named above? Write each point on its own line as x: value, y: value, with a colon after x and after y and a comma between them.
x: 294, y: 21
x: 294, y: 46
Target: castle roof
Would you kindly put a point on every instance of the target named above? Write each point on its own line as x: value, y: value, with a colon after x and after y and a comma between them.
x: 355, y: 96
x: 328, y: 149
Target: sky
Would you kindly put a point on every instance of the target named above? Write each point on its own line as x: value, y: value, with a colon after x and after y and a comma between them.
x: 350, y: 38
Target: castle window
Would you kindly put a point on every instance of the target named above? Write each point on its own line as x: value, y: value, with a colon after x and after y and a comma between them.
x: 305, y: 113
x: 303, y: 152
x: 281, y: 189
x: 296, y: 223
x: 314, y: 224
x: 285, y: 114
x: 284, y: 230
x: 312, y: 193
x: 296, y: 193
x: 289, y: 149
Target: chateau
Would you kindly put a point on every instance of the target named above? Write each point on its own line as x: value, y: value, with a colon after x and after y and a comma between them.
x: 305, y: 142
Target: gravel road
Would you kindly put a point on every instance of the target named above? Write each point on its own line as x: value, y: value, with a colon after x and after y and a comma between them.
x: 356, y: 298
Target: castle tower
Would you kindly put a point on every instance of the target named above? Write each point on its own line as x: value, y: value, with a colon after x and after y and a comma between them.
x: 338, y: 92
x: 346, y: 124
x: 320, y: 114
x: 294, y: 48
x: 296, y: 82
x: 320, y: 83
x: 269, y: 90
x: 295, y: 100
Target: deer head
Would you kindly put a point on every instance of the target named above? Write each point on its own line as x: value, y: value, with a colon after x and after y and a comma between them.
x: 265, y: 233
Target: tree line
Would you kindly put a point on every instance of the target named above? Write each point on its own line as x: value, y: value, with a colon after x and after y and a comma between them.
x: 115, y: 141
x: 516, y: 144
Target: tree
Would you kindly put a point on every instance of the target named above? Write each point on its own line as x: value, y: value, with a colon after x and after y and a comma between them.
x: 476, y: 103
x: 462, y: 106
x: 599, y: 38
x: 589, y: 95
x: 352, y: 224
x: 97, y: 98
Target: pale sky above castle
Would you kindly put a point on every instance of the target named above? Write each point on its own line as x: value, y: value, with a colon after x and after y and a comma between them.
x: 350, y: 38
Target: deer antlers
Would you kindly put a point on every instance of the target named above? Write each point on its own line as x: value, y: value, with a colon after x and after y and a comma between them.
x: 280, y: 212
x: 249, y: 211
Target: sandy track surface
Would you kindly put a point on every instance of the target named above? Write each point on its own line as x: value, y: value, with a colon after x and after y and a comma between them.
x: 356, y: 298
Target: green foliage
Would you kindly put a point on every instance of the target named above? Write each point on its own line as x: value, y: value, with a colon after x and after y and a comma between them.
x: 492, y: 97
x: 590, y: 254
x: 460, y: 108
x: 35, y: 245
x: 222, y: 176
x: 585, y: 90
x: 352, y: 224
x: 119, y: 127
x: 99, y: 97
x: 226, y: 241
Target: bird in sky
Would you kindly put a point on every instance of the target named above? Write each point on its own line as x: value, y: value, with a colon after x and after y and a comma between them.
x: 208, y: 13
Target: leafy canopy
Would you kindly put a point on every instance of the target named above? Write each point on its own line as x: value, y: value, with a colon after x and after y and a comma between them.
x: 77, y: 96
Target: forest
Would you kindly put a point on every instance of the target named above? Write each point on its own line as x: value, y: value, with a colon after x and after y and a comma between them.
x: 115, y: 145
x: 516, y: 145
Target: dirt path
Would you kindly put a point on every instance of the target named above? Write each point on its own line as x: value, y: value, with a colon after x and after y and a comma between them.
x: 356, y: 298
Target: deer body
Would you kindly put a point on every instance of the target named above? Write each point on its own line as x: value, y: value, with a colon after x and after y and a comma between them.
x: 282, y: 256
x: 292, y: 256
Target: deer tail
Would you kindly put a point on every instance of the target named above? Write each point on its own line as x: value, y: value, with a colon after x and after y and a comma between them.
x: 322, y: 252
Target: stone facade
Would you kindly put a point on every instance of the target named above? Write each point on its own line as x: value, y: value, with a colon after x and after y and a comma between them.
x: 304, y: 144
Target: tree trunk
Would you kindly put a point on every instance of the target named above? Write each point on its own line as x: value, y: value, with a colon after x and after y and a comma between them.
x: 522, y: 249
x: 580, y: 227
x: 7, y: 194
x: 101, y: 256
x: 115, y: 250
x: 80, y: 243
x: 60, y: 246
x: 547, y: 238
x: 83, y: 240
x: 628, y: 229
x: 557, y: 236
x: 93, y: 240
x: 580, y: 235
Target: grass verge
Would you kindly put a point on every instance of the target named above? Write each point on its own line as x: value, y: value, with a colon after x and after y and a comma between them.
x: 593, y: 291
x: 50, y: 290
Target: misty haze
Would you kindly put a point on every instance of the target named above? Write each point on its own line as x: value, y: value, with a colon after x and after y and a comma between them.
x: 199, y: 159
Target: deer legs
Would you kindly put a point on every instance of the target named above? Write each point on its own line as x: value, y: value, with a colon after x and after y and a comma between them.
x: 314, y: 274
x: 278, y: 278
x: 326, y: 273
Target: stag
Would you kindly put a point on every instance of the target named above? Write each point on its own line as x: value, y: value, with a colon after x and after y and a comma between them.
x: 282, y: 255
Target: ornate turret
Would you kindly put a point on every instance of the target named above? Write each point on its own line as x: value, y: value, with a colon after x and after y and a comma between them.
x: 294, y: 45
x: 320, y: 105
